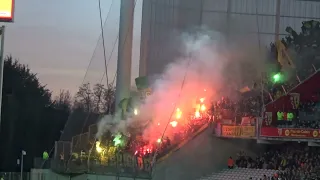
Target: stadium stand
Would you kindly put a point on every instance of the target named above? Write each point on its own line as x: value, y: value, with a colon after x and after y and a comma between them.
x: 288, y: 161
x: 241, y: 174
x: 301, y: 101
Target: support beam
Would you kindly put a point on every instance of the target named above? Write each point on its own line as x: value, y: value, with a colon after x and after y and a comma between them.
x: 145, y: 36
x: 1, y: 66
x: 228, y: 19
x: 277, y: 25
x: 124, y: 51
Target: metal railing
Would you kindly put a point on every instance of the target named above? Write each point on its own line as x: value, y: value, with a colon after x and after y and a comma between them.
x: 121, y: 164
x: 14, y: 176
x: 118, y: 165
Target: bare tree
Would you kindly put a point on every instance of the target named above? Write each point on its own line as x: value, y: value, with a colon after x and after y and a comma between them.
x: 109, y: 99
x: 98, y: 98
x: 63, y: 100
x: 84, y: 98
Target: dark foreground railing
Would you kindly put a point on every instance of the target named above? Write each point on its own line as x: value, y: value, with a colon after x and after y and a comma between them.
x: 14, y: 176
x: 119, y: 165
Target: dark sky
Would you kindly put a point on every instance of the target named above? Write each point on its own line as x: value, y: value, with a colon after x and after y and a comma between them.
x: 57, y: 39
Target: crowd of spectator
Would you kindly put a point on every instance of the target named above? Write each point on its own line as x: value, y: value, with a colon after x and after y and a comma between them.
x: 293, y: 161
x: 309, y: 107
x: 251, y: 103
x: 250, y: 106
x: 306, y: 116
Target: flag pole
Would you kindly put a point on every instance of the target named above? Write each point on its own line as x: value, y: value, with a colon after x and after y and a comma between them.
x: 124, y: 51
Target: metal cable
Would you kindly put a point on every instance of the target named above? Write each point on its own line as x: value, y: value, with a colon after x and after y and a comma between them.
x: 153, y: 163
x: 104, y: 53
x: 113, y: 81
x: 87, y: 69
x: 103, y: 41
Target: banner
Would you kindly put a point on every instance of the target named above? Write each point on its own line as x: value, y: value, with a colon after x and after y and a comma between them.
x: 247, y: 121
x: 238, y: 131
x: 290, y: 132
x: 295, y: 100
x: 283, y: 56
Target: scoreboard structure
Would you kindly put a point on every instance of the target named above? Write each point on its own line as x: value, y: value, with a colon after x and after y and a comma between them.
x: 6, y: 16
x: 6, y: 10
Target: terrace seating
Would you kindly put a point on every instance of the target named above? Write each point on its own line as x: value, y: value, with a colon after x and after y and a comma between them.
x: 240, y: 174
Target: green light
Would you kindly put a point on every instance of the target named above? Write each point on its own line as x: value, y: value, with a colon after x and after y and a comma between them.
x: 277, y: 77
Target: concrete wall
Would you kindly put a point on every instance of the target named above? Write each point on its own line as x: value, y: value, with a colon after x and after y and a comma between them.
x: 46, y: 174
x: 202, y: 156
x: 164, y: 20
x: 101, y: 177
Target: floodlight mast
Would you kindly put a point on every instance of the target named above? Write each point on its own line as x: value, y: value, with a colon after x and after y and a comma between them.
x: 2, y: 32
x: 7, y: 16
x: 124, y: 51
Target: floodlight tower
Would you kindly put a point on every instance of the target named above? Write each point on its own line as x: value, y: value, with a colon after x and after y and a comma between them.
x: 124, y: 51
x: 6, y: 15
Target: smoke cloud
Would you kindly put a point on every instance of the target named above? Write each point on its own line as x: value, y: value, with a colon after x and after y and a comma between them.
x: 209, y: 67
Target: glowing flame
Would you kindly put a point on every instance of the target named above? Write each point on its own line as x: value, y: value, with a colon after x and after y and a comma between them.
x: 135, y: 111
x: 197, y: 114
x: 201, y: 100
x: 98, y: 148
x: 203, y: 107
x: 178, y: 113
x: 159, y: 140
x: 174, y: 123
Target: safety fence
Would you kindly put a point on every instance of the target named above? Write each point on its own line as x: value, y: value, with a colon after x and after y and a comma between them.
x: 14, y: 176
x: 118, y: 164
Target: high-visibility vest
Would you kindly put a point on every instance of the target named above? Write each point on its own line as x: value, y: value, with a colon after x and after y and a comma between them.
x: 290, y: 116
x: 75, y: 155
x: 45, y: 155
x: 82, y: 154
x: 280, y: 116
x: 230, y: 162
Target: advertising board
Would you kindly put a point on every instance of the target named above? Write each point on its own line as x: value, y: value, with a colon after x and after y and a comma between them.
x: 290, y: 132
x: 238, y: 131
x: 6, y: 10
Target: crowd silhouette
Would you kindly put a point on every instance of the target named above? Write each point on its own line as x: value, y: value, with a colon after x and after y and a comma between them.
x: 291, y: 160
